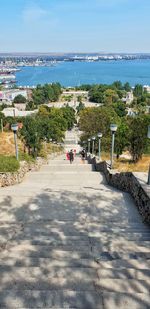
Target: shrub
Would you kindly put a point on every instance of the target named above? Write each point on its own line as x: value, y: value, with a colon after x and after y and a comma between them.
x: 26, y: 157
x: 8, y: 164
x: 43, y: 153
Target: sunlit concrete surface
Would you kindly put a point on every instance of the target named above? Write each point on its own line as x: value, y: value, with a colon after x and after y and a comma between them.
x: 68, y: 240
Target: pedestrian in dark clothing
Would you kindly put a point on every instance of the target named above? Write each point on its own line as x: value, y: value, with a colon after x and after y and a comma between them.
x: 83, y: 155
x: 71, y: 156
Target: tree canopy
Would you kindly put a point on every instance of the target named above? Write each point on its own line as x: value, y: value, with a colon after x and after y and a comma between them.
x: 19, y: 99
x: 49, y: 123
x: 46, y: 93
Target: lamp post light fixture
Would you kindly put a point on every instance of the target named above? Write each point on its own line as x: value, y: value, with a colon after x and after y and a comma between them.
x: 99, y: 144
x: 113, y: 128
x: 14, y: 128
x: 93, y: 144
x: 148, y: 136
x: 89, y: 145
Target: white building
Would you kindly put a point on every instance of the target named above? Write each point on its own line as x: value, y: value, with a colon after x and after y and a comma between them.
x: 129, y: 98
x: 146, y: 87
x: 131, y: 112
x: 14, y: 112
x: 147, y: 109
x: 9, y: 95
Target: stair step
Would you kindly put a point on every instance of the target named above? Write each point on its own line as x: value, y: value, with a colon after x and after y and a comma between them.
x: 62, y: 167
x: 126, y: 236
x: 53, y: 253
x: 50, y: 243
x: 117, y: 249
x: 122, y: 224
x: 123, y: 228
x: 58, y: 234
x: 125, y: 273
x: 48, y: 239
x: 43, y: 272
x: 81, y: 224
x: 49, y: 249
x: 126, y: 300
x: 123, y: 286
x: 110, y: 256
x: 121, y: 264
x: 23, y: 261
x: 50, y: 299
x: 80, y: 283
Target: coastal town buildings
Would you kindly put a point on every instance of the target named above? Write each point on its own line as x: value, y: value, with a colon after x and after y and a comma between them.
x: 15, y: 112
x: 129, y: 98
x: 9, y: 95
x: 147, y: 88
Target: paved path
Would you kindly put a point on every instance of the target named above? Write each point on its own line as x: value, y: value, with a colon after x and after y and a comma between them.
x: 70, y: 241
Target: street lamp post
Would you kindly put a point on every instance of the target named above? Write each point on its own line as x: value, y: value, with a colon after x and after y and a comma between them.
x: 148, y: 136
x: 93, y: 139
x: 89, y: 145
x: 113, y: 128
x: 99, y: 144
x: 14, y: 128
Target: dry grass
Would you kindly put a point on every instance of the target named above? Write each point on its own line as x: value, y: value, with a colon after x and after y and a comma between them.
x: 7, y: 146
x: 124, y: 165
x: 7, y: 143
x: 127, y: 165
x: 105, y: 156
x: 49, y: 148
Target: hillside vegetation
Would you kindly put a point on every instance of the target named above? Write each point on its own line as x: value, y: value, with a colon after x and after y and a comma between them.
x: 7, y: 144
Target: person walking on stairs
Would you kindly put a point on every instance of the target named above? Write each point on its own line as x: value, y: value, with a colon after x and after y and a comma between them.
x: 71, y: 156
x: 83, y: 155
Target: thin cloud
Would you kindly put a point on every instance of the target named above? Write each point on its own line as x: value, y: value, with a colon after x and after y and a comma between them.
x: 33, y: 13
x: 111, y: 2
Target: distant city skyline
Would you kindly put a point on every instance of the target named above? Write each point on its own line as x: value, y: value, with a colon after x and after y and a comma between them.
x: 81, y: 26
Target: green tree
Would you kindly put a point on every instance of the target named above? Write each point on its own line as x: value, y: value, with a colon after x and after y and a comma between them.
x: 98, y: 119
x: 84, y: 87
x: 110, y: 96
x: 138, y: 90
x: 138, y: 141
x: 120, y: 109
x: 69, y: 116
x: 30, y: 106
x: 96, y: 93
x: 127, y: 87
x: 79, y: 98
x: 30, y: 135
x: 80, y: 107
x: 19, y: 99
x: 118, y: 85
x: 46, y: 93
x: 121, y: 138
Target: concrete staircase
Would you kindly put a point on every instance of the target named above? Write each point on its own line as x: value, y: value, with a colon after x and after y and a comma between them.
x: 70, y: 241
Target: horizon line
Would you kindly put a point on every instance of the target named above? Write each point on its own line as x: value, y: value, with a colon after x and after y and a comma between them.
x: 74, y: 52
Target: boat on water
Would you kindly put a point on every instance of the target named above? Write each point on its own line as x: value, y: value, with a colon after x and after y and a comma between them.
x: 7, y: 75
x: 4, y: 70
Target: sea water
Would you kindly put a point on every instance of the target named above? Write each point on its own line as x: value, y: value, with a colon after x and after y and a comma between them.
x: 77, y: 73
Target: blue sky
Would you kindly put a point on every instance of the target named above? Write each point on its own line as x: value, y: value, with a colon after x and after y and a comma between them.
x: 74, y: 25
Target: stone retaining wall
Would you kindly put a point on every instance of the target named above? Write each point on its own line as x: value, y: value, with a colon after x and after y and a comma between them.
x: 126, y: 182
x: 9, y: 179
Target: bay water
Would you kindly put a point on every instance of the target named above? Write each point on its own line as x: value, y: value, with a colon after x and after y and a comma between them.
x: 70, y: 74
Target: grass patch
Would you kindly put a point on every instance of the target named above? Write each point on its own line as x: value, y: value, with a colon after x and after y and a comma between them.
x: 26, y: 157
x: 8, y: 164
x: 127, y: 165
x: 49, y: 148
x: 7, y: 144
x: 124, y: 165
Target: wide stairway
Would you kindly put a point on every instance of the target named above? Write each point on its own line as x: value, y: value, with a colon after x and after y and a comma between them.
x: 68, y: 240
